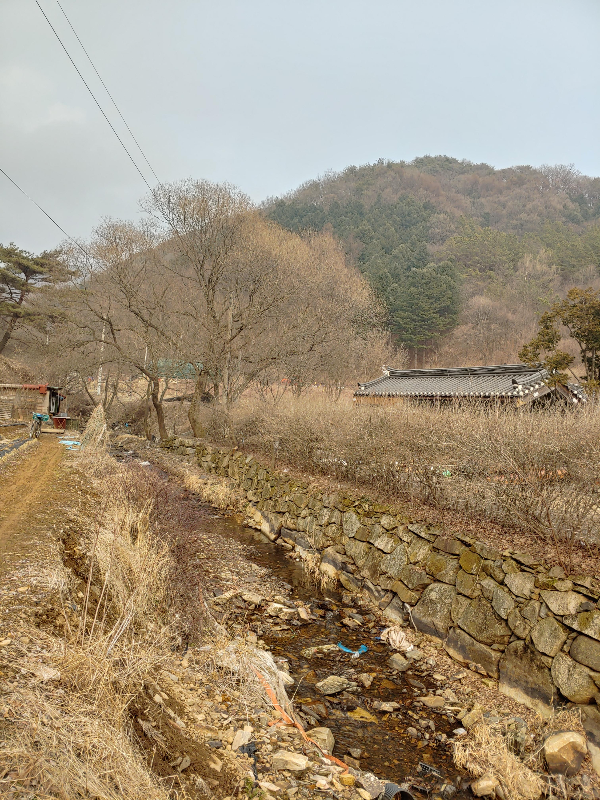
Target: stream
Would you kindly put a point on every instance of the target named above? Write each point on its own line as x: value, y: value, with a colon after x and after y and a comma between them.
x: 388, y: 747
x: 405, y: 742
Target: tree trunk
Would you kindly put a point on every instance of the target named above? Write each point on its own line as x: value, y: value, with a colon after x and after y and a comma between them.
x: 158, y: 407
x: 195, y: 407
x: 10, y: 329
x: 8, y: 333
x: 147, y: 431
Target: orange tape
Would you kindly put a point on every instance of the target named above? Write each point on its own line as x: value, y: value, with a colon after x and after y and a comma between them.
x: 287, y: 720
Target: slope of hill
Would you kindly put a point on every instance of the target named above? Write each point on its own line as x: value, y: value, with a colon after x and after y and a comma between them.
x: 464, y: 256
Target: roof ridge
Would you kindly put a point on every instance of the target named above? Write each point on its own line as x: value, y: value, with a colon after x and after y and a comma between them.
x: 495, y: 369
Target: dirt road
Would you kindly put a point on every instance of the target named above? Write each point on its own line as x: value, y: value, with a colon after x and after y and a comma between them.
x: 26, y: 484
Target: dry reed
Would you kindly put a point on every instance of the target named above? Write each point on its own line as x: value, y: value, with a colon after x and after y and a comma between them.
x: 536, y: 470
x: 67, y: 749
x: 485, y: 752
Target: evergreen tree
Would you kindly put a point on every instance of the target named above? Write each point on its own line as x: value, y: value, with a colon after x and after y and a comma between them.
x: 579, y: 312
x: 426, y: 305
x: 21, y: 275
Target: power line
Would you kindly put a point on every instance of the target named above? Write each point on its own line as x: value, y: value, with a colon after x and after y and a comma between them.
x: 93, y: 96
x: 108, y: 93
x: 54, y: 222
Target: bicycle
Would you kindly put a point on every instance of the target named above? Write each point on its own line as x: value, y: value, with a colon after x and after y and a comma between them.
x: 36, y: 425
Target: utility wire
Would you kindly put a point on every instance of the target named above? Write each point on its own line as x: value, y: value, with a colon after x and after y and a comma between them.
x: 94, y: 97
x: 108, y: 93
x: 70, y: 238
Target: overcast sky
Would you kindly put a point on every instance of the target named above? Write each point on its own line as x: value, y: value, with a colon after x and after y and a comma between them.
x: 266, y: 94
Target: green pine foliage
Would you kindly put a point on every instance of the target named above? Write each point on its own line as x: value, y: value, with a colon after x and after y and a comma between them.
x: 22, y: 274
x: 435, y: 232
x: 579, y: 315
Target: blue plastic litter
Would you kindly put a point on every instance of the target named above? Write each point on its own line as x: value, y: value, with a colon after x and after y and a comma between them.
x: 362, y: 649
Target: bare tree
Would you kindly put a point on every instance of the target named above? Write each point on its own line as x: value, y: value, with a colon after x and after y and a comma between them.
x: 206, y: 282
x: 255, y: 297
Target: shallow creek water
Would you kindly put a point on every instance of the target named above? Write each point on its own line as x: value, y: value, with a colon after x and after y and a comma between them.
x: 386, y: 749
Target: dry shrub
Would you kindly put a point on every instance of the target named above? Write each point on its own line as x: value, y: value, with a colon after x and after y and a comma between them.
x: 311, y: 565
x: 215, y: 490
x: 132, y: 565
x: 94, y: 436
x: 485, y: 752
x: 121, y: 638
x: 66, y: 749
x: 535, y: 469
x: 236, y: 664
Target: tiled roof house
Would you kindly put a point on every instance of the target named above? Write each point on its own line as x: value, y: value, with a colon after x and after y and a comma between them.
x: 514, y: 383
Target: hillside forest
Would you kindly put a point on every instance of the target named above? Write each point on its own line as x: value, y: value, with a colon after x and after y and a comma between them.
x: 464, y: 257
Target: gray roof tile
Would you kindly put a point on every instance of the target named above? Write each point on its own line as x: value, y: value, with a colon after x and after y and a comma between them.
x: 505, y: 380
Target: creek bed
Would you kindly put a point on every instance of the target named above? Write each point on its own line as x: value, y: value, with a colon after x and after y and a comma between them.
x: 386, y: 748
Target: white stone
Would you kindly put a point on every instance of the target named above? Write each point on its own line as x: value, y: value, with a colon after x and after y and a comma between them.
x: 284, y: 759
x: 242, y: 737
x: 472, y: 716
x: 252, y: 598
x: 398, y: 662
x: 185, y: 762
x: 323, y: 737
x: 332, y: 685
x: 562, y: 602
x: 433, y: 701
x: 484, y: 786
x: 564, y: 752
x: 387, y: 708
x: 279, y: 610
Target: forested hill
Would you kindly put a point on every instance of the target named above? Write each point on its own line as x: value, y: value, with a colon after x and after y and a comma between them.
x: 464, y: 256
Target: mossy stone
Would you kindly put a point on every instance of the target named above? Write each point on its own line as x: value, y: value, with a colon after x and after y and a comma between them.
x: 470, y: 562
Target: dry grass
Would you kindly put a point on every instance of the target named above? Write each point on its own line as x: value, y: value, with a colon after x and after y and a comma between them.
x: 514, y: 755
x: 215, y: 490
x: 94, y: 437
x: 67, y: 749
x: 70, y: 730
x: 486, y: 753
x: 534, y: 470
x: 75, y: 741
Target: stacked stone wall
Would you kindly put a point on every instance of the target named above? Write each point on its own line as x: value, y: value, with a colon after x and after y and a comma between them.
x: 534, y: 629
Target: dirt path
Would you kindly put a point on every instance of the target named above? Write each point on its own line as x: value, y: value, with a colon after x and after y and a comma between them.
x: 25, y: 485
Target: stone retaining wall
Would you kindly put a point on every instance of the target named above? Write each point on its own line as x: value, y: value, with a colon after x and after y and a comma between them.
x: 505, y: 614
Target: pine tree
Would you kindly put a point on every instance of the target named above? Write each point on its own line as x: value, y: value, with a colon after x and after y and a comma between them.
x: 21, y: 275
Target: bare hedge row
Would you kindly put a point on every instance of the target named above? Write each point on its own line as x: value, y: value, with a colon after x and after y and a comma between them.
x: 538, y: 470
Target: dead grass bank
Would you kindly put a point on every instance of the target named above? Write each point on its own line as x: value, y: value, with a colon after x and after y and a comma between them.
x: 81, y: 714
x: 536, y: 473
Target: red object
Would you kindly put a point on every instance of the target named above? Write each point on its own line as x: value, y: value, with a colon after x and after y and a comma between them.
x: 42, y: 387
x: 60, y: 422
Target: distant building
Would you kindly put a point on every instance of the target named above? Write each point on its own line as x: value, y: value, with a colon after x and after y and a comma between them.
x: 516, y: 384
x: 18, y: 401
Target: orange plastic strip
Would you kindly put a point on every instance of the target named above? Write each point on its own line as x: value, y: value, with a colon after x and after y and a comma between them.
x: 287, y: 720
